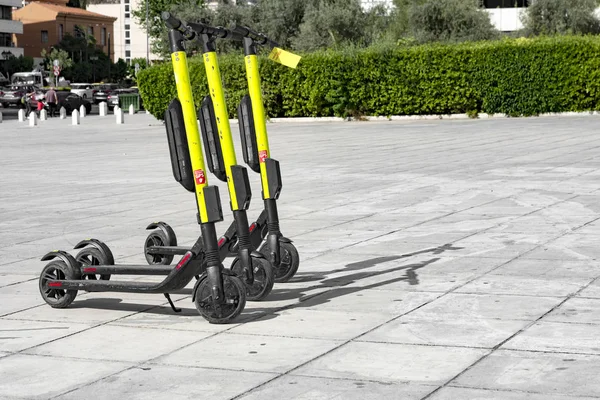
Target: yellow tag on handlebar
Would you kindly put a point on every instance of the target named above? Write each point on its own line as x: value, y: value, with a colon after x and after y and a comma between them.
x: 284, y: 57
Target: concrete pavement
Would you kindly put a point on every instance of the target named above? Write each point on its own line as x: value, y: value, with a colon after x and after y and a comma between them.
x: 439, y: 260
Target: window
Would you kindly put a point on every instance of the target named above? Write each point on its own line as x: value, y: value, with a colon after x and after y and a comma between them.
x: 127, y: 34
x: 44, y: 36
x: 126, y: 1
x: 127, y: 8
x: 5, y: 40
x: 90, y: 30
x: 5, y: 12
x: 61, y: 32
x: 127, y: 15
x: 127, y: 53
x: 127, y: 41
x: 127, y: 27
x: 103, y: 37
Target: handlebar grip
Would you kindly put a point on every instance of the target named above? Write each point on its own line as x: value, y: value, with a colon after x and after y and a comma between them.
x: 170, y: 20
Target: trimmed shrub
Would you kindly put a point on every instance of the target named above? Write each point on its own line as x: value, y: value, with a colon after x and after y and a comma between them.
x: 518, y: 77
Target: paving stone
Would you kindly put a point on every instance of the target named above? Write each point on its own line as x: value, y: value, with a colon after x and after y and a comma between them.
x: 42, y: 377
x: 592, y: 291
x: 519, y: 285
x: 119, y: 343
x: 557, y: 337
x: 249, y: 352
x: 19, y: 335
x: 565, y: 374
x: 393, y: 363
x: 475, y: 306
x: 577, y: 310
x: 451, y: 393
x: 181, y: 383
x: 445, y: 331
x: 302, y: 387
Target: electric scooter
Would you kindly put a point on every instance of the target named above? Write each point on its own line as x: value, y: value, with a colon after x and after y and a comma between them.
x: 161, y: 244
x: 219, y: 295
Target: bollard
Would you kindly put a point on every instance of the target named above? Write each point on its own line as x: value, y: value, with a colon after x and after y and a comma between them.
x: 82, y: 111
x: 131, y: 109
x: 63, y: 113
x: 75, y: 117
x: 0, y: 117
x: 116, y: 110
x: 43, y: 115
x: 32, y: 119
x: 120, y: 116
x: 103, y: 109
x: 21, y: 115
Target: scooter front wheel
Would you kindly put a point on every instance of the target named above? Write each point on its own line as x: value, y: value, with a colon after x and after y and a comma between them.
x: 221, y: 313
x: 56, y: 297
x: 289, y: 261
x: 264, y: 277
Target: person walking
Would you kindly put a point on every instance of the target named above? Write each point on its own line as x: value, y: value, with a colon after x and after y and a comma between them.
x: 52, y: 100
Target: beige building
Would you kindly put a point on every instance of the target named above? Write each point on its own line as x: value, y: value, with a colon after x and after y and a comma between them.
x: 45, y: 23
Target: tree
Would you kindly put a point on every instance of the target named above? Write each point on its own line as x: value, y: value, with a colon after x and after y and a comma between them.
x: 156, y: 26
x: 56, y: 54
x: 329, y: 23
x: 449, y: 20
x: 549, y: 17
x: 18, y: 64
x: 280, y: 20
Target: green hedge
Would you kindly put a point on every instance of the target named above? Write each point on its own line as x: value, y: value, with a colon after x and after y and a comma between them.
x: 518, y: 77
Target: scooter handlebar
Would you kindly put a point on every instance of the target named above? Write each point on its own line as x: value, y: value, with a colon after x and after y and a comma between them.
x: 259, y: 38
x: 176, y: 24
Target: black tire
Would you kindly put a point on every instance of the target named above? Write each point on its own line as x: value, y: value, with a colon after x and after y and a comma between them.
x: 235, y: 300
x: 157, y: 238
x: 264, y: 278
x: 90, y: 256
x: 58, y: 270
x: 5, y: 105
x: 289, y: 261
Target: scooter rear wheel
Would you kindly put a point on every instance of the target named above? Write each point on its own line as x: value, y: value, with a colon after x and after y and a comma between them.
x: 157, y: 238
x: 289, y: 261
x: 264, y: 277
x: 235, y: 300
x: 90, y: 256
x: 57, y: 270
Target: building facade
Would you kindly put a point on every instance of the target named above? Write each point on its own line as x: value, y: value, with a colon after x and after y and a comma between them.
x: 8, y: 28
x: 45, y: 23
x: 130, y: 37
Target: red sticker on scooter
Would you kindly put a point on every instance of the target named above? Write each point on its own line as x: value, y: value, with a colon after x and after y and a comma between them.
x: 262, y: 155
x: 199, y: 177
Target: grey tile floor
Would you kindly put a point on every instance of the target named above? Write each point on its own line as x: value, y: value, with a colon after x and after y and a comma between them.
x: 440, y: 260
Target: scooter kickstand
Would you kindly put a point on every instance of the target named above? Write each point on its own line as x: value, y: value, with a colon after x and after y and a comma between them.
x: 168, y: 296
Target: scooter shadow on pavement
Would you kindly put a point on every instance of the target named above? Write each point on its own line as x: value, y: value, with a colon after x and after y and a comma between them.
x: 337, y: 287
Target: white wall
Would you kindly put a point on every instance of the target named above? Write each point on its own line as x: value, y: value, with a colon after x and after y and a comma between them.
x: 506, y: 19
x: 137, y: 35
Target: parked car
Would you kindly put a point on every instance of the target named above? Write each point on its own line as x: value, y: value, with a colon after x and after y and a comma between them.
x: 74, y: 102
x: 13, y: 95
x: 85, y: 90
x: 103, y: 91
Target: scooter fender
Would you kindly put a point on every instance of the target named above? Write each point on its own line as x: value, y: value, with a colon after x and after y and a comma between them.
x: 101, y: 246
x: 167, y: 230
x: 65, y: 257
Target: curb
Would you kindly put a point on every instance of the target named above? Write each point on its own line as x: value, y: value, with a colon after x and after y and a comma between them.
x: 425, y: 117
